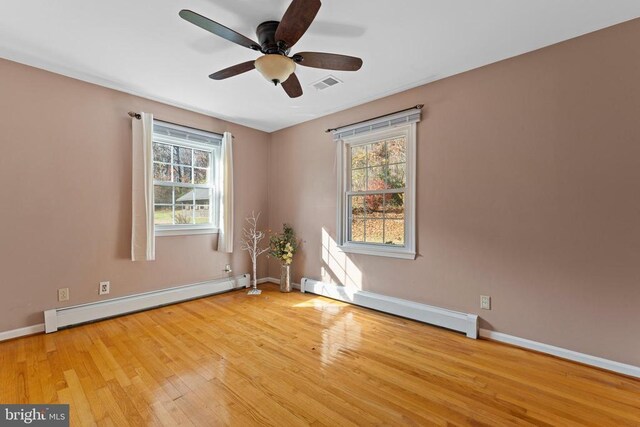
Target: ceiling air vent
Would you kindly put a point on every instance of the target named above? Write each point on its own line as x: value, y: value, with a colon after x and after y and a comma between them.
x: 326, y: 82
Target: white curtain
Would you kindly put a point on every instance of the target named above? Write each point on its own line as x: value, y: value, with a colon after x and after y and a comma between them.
x: 143, y: 242
x: 225, y: 236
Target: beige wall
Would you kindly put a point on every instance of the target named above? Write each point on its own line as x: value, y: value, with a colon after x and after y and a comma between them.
x: 528, y: 191
x: 65, y: 174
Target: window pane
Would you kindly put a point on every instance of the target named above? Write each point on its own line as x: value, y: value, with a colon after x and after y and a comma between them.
x: 163, y: 215
x: 394, y: 231
x: 162, y: 194
x: 182, y: 156
x: 377, y: 178
x: 376, y: 153
x: 396, y: 177
x: 203, y: 196
x: 184, y: 195
x: 201, y: 158
x: 161, y: 152
x: 357, y: 179
x: 394, y: 205
x: 200, y: 176
x: 374, y: 231
x: 357, y: 230
x: 357, y: 206
x: 184, y: 214
x: 359, y: 157
x: 203, y: 214
x: 397, y: 150
x: 373, y: 204
x: 182, y: 174
x: 161, y: 172
x: 203, y: 205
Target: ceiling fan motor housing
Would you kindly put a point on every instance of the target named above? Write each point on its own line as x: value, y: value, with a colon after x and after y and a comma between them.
x: 266, y: 33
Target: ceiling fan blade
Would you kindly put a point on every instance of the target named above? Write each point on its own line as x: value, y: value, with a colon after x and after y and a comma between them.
x: 292, y: 86
x: 329, y: 61
x: 296, y: 20
x: 218, y: 29
x: 233, y: 71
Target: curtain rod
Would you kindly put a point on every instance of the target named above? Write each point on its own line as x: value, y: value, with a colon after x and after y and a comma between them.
x: 419, y: 107
x: 138, y: 117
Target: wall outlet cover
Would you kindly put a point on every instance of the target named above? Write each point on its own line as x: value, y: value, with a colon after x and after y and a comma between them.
x: 485, y: 302
x: 63, y: 294
x: 105, y: 288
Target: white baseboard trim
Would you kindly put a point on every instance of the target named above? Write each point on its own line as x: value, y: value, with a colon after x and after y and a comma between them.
x: 67, y: 316
x: 455, y: 320
x: 563, y: 353
x: 21, y: 332
x: 276, y: 281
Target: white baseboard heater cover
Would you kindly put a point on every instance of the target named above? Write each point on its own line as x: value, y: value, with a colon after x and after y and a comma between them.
x: 67, y: 316
x: 455, y: 320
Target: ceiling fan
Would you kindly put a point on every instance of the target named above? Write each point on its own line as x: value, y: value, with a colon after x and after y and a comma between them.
x: 276, y: 40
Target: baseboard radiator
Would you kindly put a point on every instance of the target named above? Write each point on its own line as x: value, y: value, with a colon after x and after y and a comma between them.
x: 455, y: 320
x: 68, y: 316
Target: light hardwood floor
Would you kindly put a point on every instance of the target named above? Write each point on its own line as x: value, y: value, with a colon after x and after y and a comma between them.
x: 298, y: 359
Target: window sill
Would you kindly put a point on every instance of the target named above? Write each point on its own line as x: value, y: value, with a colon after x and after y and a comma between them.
x: 385, y: 251
x: 184, y: 231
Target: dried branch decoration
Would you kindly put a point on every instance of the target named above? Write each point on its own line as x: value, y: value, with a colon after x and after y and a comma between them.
x: 250, y: 242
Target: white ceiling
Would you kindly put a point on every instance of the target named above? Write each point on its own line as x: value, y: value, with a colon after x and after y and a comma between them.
x: 144, y: 48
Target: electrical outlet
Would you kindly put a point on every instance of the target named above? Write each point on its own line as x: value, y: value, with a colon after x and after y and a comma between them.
x: 105, y: 287
x: 63, y: 294
x: 485, y: 302
x: 227, y: 268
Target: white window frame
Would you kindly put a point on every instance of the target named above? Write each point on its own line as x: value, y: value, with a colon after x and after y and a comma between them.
x: 408, y: 251
x: 214, y: 168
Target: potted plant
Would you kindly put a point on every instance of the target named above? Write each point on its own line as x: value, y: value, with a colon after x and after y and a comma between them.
x: 282, y: 247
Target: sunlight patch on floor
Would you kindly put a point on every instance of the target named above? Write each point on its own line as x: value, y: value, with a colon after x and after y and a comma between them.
x: 319, y: 302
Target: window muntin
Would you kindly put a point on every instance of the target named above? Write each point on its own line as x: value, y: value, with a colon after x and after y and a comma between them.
x: 184, y: 172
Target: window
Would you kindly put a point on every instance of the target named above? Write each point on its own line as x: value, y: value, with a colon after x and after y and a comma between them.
x: 185, y: 163
x: 377, y: 185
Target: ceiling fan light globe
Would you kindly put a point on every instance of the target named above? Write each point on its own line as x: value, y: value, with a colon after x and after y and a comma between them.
x: 275, y: 68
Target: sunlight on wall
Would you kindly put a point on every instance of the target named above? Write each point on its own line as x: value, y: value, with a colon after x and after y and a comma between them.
x: 337, y: 267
